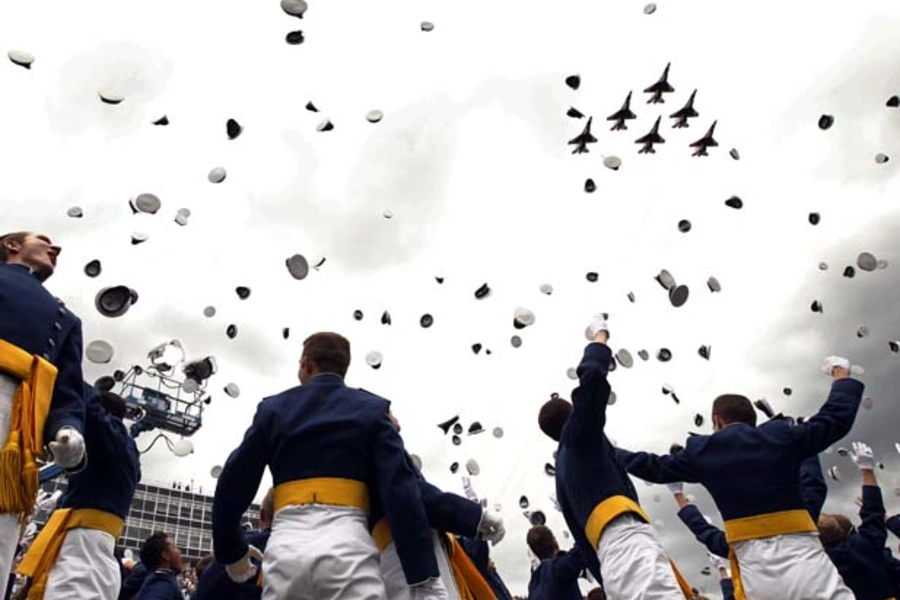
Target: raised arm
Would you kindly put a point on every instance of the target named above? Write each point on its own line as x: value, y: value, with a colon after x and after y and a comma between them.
x: 706, y: 533
x: 590, y: 398
x: 401, y: 497
x: 670, y: 468
x: 67, y: 406
x: 813, y: 489
x: 569, y: 566
x: 236, y: 487
x: 872, y: 511
x: 835, y: 419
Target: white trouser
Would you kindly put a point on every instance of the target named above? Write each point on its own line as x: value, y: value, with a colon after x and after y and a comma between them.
x: 634, y: 564
x: 320, y: 552
x: 9, y: 523
x: 789, y: 567
x: 86, y: 567
x: 395, y: 580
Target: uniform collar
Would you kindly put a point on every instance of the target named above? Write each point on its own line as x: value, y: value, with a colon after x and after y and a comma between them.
x: 327, y: 378
x: 20, y: 266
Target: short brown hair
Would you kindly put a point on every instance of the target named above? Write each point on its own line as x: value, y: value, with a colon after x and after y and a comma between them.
x: 553, y: 416
x: 18, y: 237
x: 114, y: 404
x: 596, y: 594
x: 733, y: 408
x: 830, y: 531
x: 330, y: 352
x: 542, y: 542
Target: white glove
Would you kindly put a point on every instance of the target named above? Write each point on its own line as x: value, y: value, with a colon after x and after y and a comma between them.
x: 717, y: 561
x: 676, y: 488
x: 467, y: 488
x: 48, y: 503
x: 244, y: 570
x: 598, y: 324
x: 491, y: 527
x: 432, y: 589
x: 68, y: 449
x: 831, y: 362
x: 863, y: 456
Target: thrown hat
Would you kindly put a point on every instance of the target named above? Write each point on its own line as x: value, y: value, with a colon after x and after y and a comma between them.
x: 612, y: 162
x: 162, y: 121
x: 515, y: 341
x: 232, y: 390
x: 650, y: 8
x: 522, y: 318
x: 475, y: 428
x: 644, y: 354
x: 426, y: 26
x: 572, y: 373
x: 457, y: 428
x: 217, y: 175
x: 385, y: 318
x: 735, y: 154
x: 182, y: 448
x: 849, y: 272
x: 456, y: 440
x: 664, y: 355
x: 705, y: 351
x: 209, y: 311
x: 592, y: 276
x: 325, y: 125
x: 297, y: 266
x: 881, y: 158
x: 358, y: 315
x: 416, y: 461
x: 573, y: 81
x: 20, y: 58
x: 734, y: 202
x: 546, y: 289
x: 242, y: 292
x: 825, y: 122
x: 538, y: 518
x: 574, y: 113
x: 834, y: 473
x: 93, y: 268
x: 482, y: 292
x: 181, y: 217
x: 147, y: 203
x: 814, y: 218
x: 698, y: 420
x: 523, y: 502
x: 374, y: 358
x: 286, y: 332
x: 295, y: 8
x: 426, y: 321
x: 115, y: 301
x: 75, y: 212
x: 454, y: 467
x: 233, y: 129
x: 215, y: 472
x: 374, y: 116
x: 498, y: 432
x: 862, y: 331
x: 624, y: 358
x: 684, y: 226
x: 99, y: 352
x: 816, y: 306
x: 231, y: 331
x: 589, y: 186
x: 713, y: 284
x: 476, y: 348
x: 893, y: 102
x: 867, y: 261
x: 549, y: 469
x: 111, y: 97
x: 472, y: 467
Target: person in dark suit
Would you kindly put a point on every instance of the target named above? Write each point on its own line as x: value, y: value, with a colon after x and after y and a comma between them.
x: 41, y: 344
x: 753, y: 476
x: 328, y: 447
x: 74, y: 555
x: 163, y: 561
x: 556, y: 577
x: 215, y: 582
x: 859, y: 557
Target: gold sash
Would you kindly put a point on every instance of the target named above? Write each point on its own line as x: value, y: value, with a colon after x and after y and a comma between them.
x: 322, y: 490
x: 30, y: 407
x: 43, y: 552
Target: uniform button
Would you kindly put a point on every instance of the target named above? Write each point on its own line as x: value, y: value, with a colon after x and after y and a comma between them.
x: 46, y: 355
x: 51, y: 342
x: 57, y: 326
x: 61, y: 311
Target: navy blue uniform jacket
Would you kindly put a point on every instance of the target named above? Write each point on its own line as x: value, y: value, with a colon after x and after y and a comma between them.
x: 752, y: 471
x: 445, y: 511
x: 134, y: 582
x: 113, y: 468
x: 478, y: 551
x: 161, y: 585
x: 557, y: 578
x: 32, y: 319
x: 860, y: 559
x: 217, y: 585
x: 587, y: 471
x: 325, y: 429
x: 812, y: 488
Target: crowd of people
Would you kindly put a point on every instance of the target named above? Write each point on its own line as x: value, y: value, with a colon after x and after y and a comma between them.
x: 351, y: 517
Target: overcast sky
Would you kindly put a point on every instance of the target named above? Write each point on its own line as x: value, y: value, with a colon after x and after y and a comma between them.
x: 471, y: 158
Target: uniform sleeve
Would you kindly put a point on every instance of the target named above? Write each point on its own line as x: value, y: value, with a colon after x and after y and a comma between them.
x: 873, y: 515
x: 813, y: 489
x: 727, y: 588
x: 833, y: 421
x: 706, y: 533
x: 670, y: 468
x: 590, y: 398
x: 67, y: 406
x: 893, y: 525
x: 402, y: 500
x: 236, y: 488
x: 449, y: 512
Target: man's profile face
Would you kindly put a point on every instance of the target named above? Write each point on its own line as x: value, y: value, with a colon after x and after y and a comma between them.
x: 38, y: 252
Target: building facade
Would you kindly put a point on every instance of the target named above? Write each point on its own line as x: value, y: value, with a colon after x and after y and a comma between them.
x: 184, y: 514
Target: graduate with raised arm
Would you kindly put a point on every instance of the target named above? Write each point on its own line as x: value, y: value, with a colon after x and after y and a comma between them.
x: 328, y: 447
x: 859, y: 557
x: 753, y: 476
x: 596, y: 496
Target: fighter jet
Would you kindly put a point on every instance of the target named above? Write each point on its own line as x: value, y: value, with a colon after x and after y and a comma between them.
x: 684, y: 113
x: 705, y: 142
x: 584, y: 138
x: 660, y: 87
x: 651, y: 138
x: 621, y: 115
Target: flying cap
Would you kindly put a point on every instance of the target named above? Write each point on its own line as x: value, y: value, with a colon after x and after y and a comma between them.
x: 115, y: 301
